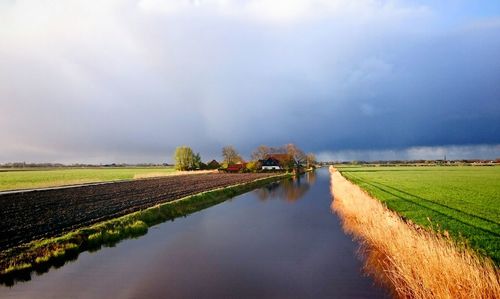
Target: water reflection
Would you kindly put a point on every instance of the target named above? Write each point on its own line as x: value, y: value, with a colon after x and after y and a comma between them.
x: 311, y: 177
x: 39, y: 269
x: 289, y: 190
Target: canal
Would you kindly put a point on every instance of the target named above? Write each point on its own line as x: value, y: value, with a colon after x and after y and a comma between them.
x: 281, y: 241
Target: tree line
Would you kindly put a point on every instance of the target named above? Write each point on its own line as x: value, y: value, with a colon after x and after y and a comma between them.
x: 291, y: 158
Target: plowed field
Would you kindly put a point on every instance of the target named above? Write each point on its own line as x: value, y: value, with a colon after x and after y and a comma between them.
x: 26, y: 216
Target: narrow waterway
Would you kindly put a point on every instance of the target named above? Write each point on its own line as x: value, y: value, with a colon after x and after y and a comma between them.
x: 282, y: 241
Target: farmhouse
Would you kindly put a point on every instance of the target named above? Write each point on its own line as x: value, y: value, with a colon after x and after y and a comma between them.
x: 270, y: 163
x: 276, y: 161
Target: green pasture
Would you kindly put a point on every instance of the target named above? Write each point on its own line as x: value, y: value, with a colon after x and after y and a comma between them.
x: 50, y: 177
x: 464, y: 200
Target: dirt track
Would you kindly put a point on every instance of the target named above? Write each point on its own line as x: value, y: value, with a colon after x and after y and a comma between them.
x: 26, y: 216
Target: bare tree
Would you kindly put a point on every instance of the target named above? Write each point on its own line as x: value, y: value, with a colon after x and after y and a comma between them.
x: 261, y: 152
x: 230, y: 155
x: 296, y: 154
x: 310, y: 159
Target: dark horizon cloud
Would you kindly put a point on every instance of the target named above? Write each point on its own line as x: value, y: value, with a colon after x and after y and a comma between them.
x: 128, y: 81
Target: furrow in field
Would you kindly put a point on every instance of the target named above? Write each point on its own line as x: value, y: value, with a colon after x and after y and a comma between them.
x: 30, y: 215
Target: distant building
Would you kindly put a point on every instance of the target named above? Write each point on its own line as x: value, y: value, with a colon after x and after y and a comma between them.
x: 236, y: 167
x: 270, y: 163
x: 213, y: 164
x: 276, y: 161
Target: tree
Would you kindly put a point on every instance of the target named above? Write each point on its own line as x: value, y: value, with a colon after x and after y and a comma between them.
x: 184, y: 158
x: 296, y: 154
x: 261, y: 152
x: 310, y: 160
x: 197, y: 161
x: 230, y: 155
x: 253, y: 166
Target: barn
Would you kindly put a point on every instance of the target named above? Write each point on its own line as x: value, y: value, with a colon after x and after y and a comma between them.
x: 236, y: 167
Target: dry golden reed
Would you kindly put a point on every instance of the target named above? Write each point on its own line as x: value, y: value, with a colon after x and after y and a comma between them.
x: 414, y: 262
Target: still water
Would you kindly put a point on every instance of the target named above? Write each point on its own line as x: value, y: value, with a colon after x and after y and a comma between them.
x: 281, y: 241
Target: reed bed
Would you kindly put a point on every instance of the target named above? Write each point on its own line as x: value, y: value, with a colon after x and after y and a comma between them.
x: 414, y: 262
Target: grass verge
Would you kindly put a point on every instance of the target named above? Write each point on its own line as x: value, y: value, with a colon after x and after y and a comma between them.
x: 414, y: 262
x: 18, y: 263
x: 462, y: 201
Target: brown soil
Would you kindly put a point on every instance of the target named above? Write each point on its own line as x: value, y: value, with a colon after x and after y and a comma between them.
x: 26, y: 216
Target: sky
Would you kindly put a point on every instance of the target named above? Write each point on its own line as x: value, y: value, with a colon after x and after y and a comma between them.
x: 129, y: 80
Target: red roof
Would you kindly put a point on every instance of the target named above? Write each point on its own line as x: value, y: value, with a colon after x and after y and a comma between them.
x: 280, y: 157
x: 235, y: 167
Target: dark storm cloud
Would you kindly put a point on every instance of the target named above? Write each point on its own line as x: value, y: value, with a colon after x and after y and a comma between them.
x: 129, y: 81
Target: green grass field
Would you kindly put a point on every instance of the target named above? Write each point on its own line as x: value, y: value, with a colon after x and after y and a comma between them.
x: 462, y: 200
x: 38, y: 178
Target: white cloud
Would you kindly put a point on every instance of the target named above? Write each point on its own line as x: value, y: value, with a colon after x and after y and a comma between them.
x: 166, y: 6
x: 289, y: 11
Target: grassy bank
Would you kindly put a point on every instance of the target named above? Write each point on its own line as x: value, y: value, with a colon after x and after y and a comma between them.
x: 51, y: 177
x: 19, y: 262
x: 414, y: 262
x: 461, y: 201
